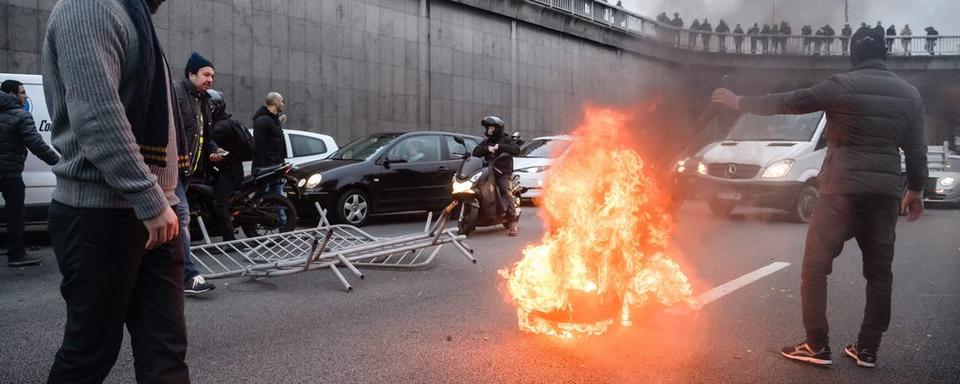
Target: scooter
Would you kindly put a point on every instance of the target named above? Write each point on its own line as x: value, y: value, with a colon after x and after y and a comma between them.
x: 475, y: 188
x: 254, y: 211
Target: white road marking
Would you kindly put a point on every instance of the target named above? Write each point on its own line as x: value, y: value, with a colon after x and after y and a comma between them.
x: 732, y: 285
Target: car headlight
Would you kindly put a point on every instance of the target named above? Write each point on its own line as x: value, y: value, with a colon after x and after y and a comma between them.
x: 301, y: 183
x: 314, y: 180
x: 682, y: 165
x: 947, y: 181
x: 701, y: 168
x: 778, y: 169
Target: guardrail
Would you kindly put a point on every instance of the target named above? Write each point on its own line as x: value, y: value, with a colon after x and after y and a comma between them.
x: 618, y: 18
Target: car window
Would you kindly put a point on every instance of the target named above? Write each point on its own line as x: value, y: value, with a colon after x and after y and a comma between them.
x: 306, y: 145
x: 417, y: 149
x: 544, y: 148
x: 455, y: 150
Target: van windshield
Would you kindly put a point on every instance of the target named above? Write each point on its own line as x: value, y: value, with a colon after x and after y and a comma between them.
x: 775, y: 128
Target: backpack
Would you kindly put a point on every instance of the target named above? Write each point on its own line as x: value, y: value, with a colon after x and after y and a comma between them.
x: 243, y: 147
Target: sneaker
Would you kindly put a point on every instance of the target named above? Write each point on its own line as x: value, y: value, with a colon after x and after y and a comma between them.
x: 198, y: 285
x: 865, y: 357
x: 806, y: 353
x: 513, y: 229
x: 23, y: 261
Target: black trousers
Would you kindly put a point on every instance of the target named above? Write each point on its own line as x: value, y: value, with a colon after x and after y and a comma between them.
x: 110, y: 281
x: 228, y: 179
x: 506, y: 200
x: 12, y: 189
x: 871, y: 220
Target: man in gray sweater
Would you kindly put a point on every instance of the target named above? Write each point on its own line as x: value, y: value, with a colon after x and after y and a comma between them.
x: 871, y: 115
x: 114, y: 233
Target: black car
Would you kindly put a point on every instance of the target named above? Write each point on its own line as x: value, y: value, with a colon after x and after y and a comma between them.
x: 383, y: 173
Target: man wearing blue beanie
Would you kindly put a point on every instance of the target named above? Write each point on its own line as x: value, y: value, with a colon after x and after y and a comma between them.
x: 871, y: 115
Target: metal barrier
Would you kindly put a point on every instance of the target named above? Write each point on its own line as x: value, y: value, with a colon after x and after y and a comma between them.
x: 327, y: 247
x: 618, y: 18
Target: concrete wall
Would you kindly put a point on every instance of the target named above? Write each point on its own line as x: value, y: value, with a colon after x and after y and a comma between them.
x: 351, y: 67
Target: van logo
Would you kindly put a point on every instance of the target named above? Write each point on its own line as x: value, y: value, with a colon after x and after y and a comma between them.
x: 28, y: 105
x: 731, y: 170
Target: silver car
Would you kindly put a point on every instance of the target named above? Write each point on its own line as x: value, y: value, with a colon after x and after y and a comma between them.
x: 943, y: 184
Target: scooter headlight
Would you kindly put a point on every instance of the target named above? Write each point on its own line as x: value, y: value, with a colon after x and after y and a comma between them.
x: 462, y: 187
x: 778, y: 169
x: 314, y: 180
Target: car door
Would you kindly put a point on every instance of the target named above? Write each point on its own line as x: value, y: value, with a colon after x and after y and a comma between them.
x: 304, y: 149
x: 409, y: 177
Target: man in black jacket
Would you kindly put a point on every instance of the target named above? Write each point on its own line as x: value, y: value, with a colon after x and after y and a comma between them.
x: 498, y: 143
x: 194, y: 106
x: 17, y: 134
x: 229, y: 173
x: 268, y: 143
x: 871, y: 115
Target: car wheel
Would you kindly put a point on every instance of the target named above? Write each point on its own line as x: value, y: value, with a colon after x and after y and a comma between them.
x: 806, y: 201
x: 353, y: 207
x: 721, y: 207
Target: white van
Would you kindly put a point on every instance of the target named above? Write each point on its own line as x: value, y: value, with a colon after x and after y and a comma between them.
x: 766, y: 161
x: 302, y: 147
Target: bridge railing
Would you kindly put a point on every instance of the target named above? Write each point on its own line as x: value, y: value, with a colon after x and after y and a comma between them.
x: 618, y: 18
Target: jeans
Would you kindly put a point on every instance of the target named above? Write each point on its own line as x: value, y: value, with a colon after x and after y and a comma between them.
x: 277, y: 189
x: 12, y: 189
x: 183, y: 214
x: 111, y: 281
x: 872, y: 221
x: 506, y: 202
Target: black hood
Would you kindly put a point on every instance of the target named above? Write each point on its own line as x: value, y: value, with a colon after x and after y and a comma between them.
x: 8, y: 102
x: 263, y: 111
x: 322, y: 166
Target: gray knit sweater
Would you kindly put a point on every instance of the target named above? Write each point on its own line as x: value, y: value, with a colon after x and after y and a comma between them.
x: 86, y: 79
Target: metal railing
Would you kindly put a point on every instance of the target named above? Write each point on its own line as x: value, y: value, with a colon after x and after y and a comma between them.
x: 618, y: 18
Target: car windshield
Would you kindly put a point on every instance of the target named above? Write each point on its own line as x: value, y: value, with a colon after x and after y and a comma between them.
x: 775, y: 128
x: 364, y: 147
x: 544, y: 148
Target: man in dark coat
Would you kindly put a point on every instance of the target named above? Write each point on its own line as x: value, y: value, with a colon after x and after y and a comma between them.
x: 806, y: 31
x: 738, y: 38
x: 829, y: 33
x: 269, y: 146
x: 707, y: 34
x: 785, y: 32
x: 753, y: 32
x: 229, y: 173
x: 765, y: 38
x: 872, y: 114
x: 17, y: 135
x: 497, y: 143
x: 931, y: 43
x: 845, y: 34
x: 693, y: 34
x: 722, y: 31
x: 891, y: 33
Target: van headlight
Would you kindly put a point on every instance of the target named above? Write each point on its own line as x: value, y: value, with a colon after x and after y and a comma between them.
x: 682, y: 165
x: 537, y: 169
x: 314, y: 180
x: 947, y: 181
x: 701, y: 169
x: 778, y: 169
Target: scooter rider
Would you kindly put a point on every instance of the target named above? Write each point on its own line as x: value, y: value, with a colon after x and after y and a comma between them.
x: 498, y: 143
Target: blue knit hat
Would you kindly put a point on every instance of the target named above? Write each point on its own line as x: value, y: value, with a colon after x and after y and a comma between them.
x: 194, y: 63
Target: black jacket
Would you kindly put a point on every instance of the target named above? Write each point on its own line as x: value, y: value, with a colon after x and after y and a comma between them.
x: 194, y: 110
x: 17, y: 134
x: 223, y: 134
x: 507, y: 145
x: 268, y: 143
x: 871, y: 114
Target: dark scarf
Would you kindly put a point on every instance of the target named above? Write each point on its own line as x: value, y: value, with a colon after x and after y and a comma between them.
x: 150, y: 115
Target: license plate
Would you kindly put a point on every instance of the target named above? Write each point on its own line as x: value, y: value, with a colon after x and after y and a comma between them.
x: 728, y: 196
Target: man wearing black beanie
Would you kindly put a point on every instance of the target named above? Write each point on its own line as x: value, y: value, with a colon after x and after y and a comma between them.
x: 871, y: 115
x: 194, y: 106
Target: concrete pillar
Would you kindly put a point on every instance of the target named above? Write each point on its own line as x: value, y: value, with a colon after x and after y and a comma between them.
x: 423, y: 67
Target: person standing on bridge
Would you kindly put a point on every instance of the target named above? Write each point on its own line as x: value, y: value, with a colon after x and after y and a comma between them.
x: 806, y: 31
x: 845, y: 34
x: 828, y: 33
x: 693, y: 34
x: 906, y: 39
x: 722, y: 31
x: 931, y: 40
x: 872, y: 114
x: 891, y: 34
x: 785, y: 32
x: 17, y: 135
x: 765, y: 39
x: 707, y: 33
x: 753, y: 32
x: 677, y: 23
x: 738, y: 38
x: 775, y: 39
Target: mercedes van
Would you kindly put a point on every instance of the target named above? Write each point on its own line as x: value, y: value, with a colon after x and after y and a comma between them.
x: 766, y: 161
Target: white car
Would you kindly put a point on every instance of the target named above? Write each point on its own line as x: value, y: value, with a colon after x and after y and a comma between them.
x: 534, y: 159
x: 302, y: 147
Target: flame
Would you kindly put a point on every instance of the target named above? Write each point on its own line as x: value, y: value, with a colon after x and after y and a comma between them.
x: 605, y: 249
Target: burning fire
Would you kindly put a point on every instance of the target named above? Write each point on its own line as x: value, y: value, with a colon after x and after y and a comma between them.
x: 605, y: 252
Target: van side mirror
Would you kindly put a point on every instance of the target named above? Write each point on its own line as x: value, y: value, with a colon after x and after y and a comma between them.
x: 822, y: 142
x: 459, y: 140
